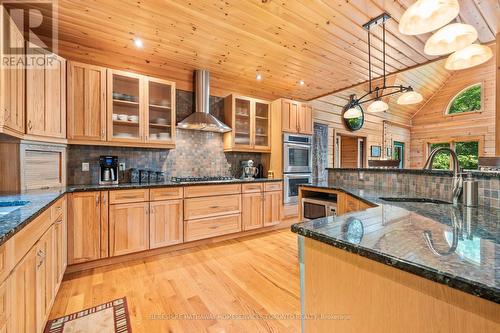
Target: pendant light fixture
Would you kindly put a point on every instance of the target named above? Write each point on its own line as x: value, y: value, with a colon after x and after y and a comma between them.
x: 472, y: 55
x: 450, y: 38
x: 410, y: 97
x: 378, y: 105
x: 428, y: 15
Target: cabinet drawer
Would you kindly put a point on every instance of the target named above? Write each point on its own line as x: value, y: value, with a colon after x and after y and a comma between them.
x: 252, y: 188
x: 211, y: 190
x: 211, y: 227
x: 31, y: 233
x: 272, y: 186
x: 58, y: 208
x: 127, y: 196
x: 198, y: 208
x: 167, y: 193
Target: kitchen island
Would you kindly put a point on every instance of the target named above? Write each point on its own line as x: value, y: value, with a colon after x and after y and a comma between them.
x: 399, y: 266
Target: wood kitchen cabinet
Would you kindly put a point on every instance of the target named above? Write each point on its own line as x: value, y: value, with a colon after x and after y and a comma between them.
x: 86, y: 226
x: 86, y: 113
x: 12, y: 80
x: 296, y: 117
x: 44, y: 288
x: 128, y: 228
x: 46, y: 98
x: 166, y: 223
x: 24, y: 296
x: 252, y: 210
x: 6, y: 302
x: 272, y: 205
x: 250, y: 120
x: 60, y: 253
x: 160, y: 111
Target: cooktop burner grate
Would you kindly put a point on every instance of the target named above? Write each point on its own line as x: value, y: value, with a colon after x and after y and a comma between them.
x: 199, y: 179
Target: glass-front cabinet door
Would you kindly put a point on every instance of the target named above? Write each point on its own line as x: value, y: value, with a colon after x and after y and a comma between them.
x: 262, y: 125
x: 124, y: 107
x: 160, y: 111
x: 242, y: 122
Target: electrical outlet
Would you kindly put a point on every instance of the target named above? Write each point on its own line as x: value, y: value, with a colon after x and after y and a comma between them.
x: 361, y: 175
x: 122, y: 166
x: 85, y: 166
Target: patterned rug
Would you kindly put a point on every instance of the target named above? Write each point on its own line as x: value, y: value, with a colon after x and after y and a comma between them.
x: 110, y: 317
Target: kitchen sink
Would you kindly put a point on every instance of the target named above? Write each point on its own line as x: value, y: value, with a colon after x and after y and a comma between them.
x: 6, y: 207
x: 421, y: 200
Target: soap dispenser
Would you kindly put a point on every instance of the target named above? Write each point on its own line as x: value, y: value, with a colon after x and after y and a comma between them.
x: 470, y: 191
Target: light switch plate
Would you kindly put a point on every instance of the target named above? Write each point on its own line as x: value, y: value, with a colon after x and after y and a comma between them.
x: 85, y: 166
x: 122, y: 166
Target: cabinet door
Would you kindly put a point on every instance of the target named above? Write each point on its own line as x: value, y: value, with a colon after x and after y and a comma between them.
x: 24, y: 294
x: 60, y: 250
x: 128, y: 228
x: 252, y: 212
x: 166, y: 223
x: 6, y: 303
x: 12, y: 83
x: 242, y: 122
x: 349, y: 204
x: 86, y: 102
x: 35, y: 98
x: 272, y: 204
x: 125, y: 107
x: 84, y: 227
x: 44, y: 289
x: 55, y: 96
x: 160, y: 115
x: 289, y: 116
x: 262, y: 123
x: 305, y: 119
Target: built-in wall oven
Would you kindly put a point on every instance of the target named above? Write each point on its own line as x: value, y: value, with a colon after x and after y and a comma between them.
x: 297, y: 153
x: 292, y: 181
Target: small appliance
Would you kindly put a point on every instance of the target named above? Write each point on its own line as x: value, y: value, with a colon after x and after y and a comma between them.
x: 297, y: 153
x: 108, y: 174
x: 291, y: 182
x: 248, y: 170
x: 315, y: 208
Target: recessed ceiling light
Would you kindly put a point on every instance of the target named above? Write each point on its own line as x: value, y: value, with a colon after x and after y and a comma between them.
x: 258, y: 77
x: 138, y: 42
x: 301, y: 82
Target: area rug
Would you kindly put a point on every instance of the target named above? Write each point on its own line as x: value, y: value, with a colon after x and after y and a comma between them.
x: 110, y: 317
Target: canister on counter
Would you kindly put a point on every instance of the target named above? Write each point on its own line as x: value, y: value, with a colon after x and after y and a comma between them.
x: 134, y: 175
x: 144, y: 176
x: 160, y: 176
x: 153, y: 178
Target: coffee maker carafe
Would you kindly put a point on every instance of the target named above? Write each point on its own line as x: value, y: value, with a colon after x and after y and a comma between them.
x: 248, y: 170
x: 108, y: 174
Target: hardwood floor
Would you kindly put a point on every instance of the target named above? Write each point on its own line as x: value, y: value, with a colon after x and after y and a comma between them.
x: 255, y: 276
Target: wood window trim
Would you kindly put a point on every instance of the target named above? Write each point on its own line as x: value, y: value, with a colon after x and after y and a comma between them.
x: 481, y: 109
x: 452, y: 141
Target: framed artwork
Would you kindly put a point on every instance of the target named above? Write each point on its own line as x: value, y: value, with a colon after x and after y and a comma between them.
x: 375, y: 151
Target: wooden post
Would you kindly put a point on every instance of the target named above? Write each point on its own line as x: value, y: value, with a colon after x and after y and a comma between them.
x: 497, y: 98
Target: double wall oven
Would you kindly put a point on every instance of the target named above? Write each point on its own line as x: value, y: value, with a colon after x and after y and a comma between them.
x: 297, y: 164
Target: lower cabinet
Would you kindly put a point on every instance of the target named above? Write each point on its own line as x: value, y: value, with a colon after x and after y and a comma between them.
x: 128, y: 228
x: 44, y: 289
x: 166, y: 223
x: 272, y: 204
x: 6, y: 305
x: 252, y: 211
x: 212, y: 227
x: 60, y: 252
x: 24, y: 301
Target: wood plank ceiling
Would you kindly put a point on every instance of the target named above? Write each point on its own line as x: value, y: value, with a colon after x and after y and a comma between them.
x: 321, y: 42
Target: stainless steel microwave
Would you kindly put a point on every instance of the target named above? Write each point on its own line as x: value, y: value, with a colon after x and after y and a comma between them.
x: 317, y: 208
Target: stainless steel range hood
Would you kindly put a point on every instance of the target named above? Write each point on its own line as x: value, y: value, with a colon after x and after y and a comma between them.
x: 201, y: 119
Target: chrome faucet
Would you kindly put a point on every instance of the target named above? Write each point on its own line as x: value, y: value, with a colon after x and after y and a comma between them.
x: 457, y: 175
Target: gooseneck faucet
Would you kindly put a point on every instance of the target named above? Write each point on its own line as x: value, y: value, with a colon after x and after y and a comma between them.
x: 457, y: 175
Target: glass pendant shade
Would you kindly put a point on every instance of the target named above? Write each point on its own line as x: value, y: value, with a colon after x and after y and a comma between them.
x: 468, y: 57
x: 378, y: 106
x: 410, y: 97
x: 451, y: 38
x: 428, y: 15
x: 353, y: 113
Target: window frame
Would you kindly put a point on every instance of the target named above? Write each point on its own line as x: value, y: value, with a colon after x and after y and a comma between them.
x: 452, y: 141
x: 481, y: 109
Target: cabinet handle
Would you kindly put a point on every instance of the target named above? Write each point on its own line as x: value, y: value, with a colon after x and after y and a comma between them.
x: 41, y: 255
x: 102, y: 133
x: 214, y: 227
x: 97, y: 201
x: 60, y: 221
x: 103, y: 200
x: 213, y: 207
x: 129, y: 197
x: 29, y: 125
x: 147, y: 210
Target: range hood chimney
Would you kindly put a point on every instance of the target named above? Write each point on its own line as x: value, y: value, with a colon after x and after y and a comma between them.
x: 201, y: 119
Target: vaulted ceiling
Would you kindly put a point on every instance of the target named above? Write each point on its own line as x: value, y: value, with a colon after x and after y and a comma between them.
x: 321, y: 42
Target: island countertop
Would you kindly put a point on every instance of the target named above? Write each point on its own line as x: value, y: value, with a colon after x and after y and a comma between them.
x: 456, y: 246
x: 39, y: 200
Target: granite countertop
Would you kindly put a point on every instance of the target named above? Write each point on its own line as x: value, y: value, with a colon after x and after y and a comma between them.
x: 475, y: 173
x: 13, y: 219
x: 456, y: 246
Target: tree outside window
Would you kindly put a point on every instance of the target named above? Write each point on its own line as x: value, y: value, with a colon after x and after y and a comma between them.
x: 467, y: 100
x: 467, y: 153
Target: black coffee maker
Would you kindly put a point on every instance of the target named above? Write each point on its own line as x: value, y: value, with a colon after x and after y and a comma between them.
x: 108, y: 174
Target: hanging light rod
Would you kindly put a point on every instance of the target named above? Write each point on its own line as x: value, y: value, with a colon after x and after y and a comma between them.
x: 382, y: 18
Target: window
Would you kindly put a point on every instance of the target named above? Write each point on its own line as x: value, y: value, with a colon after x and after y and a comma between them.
x: 467, y: 153
x: 467, y: 100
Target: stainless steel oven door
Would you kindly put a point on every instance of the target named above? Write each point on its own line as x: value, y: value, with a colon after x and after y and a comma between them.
x: 297, y: 158
x: 292, y: 183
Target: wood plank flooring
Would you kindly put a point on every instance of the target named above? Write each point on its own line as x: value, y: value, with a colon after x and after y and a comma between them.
x: 232, y: 286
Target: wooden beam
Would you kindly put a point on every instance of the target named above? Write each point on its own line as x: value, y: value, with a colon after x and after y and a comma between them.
x: 497, y: 98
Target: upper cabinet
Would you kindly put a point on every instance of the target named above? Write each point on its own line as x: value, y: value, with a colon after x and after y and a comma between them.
x: 296, y: 117
x: 46, y: 98
x: 160, y: 113
x: 12, y: 82
x: 250, y: 120
x: 86, y: 102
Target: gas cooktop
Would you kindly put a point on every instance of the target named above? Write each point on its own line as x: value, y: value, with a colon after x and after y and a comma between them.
x: 200, y: 179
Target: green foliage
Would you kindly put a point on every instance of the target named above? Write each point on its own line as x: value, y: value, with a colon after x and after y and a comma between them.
x: 467, y: 101
x: 355, y: 123
x: 467, y: 155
